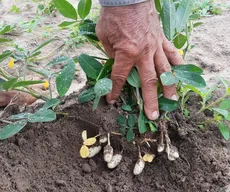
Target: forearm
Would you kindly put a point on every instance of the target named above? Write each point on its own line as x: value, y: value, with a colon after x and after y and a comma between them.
x: 112, y: 3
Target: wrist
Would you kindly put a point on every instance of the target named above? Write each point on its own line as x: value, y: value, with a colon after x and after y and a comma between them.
x: 114, y: 3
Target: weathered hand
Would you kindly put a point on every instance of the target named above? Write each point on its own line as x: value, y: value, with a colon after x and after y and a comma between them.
x: 132, y: 35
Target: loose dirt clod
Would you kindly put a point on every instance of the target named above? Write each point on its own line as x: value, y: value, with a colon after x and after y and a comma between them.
x: 86, y: 168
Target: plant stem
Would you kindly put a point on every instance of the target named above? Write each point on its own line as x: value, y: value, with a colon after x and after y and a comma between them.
x: 206, y: 122
x: 212, y: 104
x: 50, y: 89
x: 4, y: 74
x: 48, y: 55
x: 61, y: 113
x: 139, y: 100
x: 5, y: 121
x: 38, y: 96
x: 25, y: 70
x: 123, y: 100
x: 100, y: 58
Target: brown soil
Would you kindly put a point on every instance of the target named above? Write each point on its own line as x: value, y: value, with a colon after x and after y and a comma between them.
x: 45, y: 157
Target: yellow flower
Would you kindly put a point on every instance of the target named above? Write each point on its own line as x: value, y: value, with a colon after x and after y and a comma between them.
x: 99, y: 43
x: 46, y: 84
x: 181, y: 52
x: 11, y: 63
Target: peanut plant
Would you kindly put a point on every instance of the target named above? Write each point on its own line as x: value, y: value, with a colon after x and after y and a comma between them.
x: 98, y: 69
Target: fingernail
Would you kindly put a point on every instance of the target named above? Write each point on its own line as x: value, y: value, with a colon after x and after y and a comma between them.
x: 174, y: 97
x: 155, y: 115
x: 112, y: 102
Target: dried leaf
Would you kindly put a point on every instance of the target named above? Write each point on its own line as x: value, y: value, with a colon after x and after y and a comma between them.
x: 148, y: 157
x: 90, y: 141
x: 84, y: 135
x: 84, y: 151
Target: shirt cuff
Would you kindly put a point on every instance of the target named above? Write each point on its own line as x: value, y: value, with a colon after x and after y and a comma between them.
x: 114, y: 3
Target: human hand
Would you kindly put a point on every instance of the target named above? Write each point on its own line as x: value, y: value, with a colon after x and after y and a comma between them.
x: 132, y: 35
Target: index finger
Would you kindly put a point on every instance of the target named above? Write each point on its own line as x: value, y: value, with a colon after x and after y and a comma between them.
x: 172, y: 53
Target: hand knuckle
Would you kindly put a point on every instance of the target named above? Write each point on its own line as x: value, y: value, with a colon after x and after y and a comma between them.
x: 164, y: 66
x: 118, y: 79
x: 131, y: 51
x: 149, y: 78
x: 173, y: 53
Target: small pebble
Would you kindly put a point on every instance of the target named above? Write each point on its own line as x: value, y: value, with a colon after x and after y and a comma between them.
x: 60, y: 183
x: 109, y: 188
x: 86, y: 168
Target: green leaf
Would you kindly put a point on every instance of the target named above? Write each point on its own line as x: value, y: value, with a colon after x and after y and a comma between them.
x: 182, y: 15
x: 86, y: 95
x: 186, y: 113
x: 126, y: 107
x: 194, y: 16
x: 134, y: 79
x: 130, y: 135
x: 2, y: 81
x: 8, y: 84
x: 94, y: 42
x: 228, y: 119
x: 106, y: 69
x: 58, y: 60
x: 158, y: 5
x: 197, y: 24
x: 141, y: 122
x: 152, y: 127
x: 26, y: 83
x: 11, y: 129
x: 189, y: 68
x: 87, y: 27
x: 84, y: 7
x: 65, y: 24
x: 201, y: 126
x: 6, y: 29
x: 66, y: 9
x: 168, y: 17
x: 34, y: 54
x: 180, y: 41
x: 96, y: 102
x: 167, y: 104
x: 168, y: 78
x: 131, y: 120
x: 224, y: 81
x: 123, y: 130
x: 65, y: 78
x: 4, y: 40
x: 222, y: 112
x: 42, y: 45
x: 190, y: 78
x: 42, y: 115
x: 103, y: 87
x: 4, y: 55
x: 224, y: 130
x: 225, y: 104
x: 20, y: 116
x: 121, y: 120
x: 90, y: 66
x: 51, y: 103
